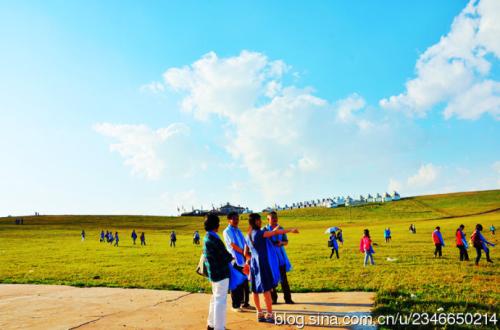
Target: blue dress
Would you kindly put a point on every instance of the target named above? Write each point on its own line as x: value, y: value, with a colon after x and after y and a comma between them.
x: 262, y: 276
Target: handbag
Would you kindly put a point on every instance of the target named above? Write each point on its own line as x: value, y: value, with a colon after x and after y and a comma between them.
x: 201, y: 269
x: 330, y: 243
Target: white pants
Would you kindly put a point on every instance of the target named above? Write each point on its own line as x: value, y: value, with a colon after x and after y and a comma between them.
x: 217, y: 309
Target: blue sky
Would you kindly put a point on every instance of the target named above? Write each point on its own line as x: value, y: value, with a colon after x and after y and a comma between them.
x: 139, y: 107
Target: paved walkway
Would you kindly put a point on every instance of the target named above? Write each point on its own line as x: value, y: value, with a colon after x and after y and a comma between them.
x: 65, y: 307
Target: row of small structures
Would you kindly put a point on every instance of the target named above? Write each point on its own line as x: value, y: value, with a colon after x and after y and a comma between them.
x: 330, y: 202
x: 338, y: 201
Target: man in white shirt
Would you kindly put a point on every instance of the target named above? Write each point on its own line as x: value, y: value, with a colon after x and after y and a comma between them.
x: 235, y: 244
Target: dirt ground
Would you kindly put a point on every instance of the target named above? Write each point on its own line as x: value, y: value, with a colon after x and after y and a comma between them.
x: 64, y: 307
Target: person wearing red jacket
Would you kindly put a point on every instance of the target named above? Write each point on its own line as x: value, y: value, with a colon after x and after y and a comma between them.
x: 438, y: 242
x: 365, y: 246
x: 462, y: 243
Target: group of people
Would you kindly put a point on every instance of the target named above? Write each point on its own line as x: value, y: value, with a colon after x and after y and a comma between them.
x: 477, y: 240
x: 107, y: 237
x: 259, y: 256
x: 142, y: 238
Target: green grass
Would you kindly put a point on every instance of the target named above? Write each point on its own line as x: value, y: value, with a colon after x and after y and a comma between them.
x: 48, y: 250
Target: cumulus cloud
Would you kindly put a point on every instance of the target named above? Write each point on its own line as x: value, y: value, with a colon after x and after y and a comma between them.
x: 139, y: 145
x: 426, y: 175
x: 456, y: 70
x: 278, y: 132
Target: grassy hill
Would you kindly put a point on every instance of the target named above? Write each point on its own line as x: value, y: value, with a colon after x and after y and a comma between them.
x: 48, y: 249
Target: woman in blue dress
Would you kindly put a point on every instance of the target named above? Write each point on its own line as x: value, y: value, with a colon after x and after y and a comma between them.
x: 264, y: 266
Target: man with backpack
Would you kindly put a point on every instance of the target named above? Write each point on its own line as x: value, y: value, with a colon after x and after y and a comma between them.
x: 480, y: 243
x: 438, y: 242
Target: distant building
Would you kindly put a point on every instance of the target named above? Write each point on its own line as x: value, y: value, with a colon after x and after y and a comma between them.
x: 370, y: 199
x: 387, y: 198
x: 228, y: 208
x: 395, y: 196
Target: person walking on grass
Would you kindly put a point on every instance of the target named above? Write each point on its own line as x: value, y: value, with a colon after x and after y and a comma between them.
x: 437, y: 238
x: 492, y: 229
x: 279, y: 242
x: 217, y: 262
x: 365, y: 246
x: 134, y: 236
x: 116, y: 238
x: 196, y: 238
x: 480, y: 243
x: 143, y: 239
x: 235, y: 244
x: 83, y: 235
x: 173, y: 238
x: 387, y: 235
x: 334, y: 245
x: 462, y: 243
x: 101, y: 238
x: 262, y: 259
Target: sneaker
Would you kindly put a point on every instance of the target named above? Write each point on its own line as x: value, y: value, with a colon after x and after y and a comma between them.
x: 289, y: 302
x: 261, y: 317
x: 269, y: 318
x: 236, y: 310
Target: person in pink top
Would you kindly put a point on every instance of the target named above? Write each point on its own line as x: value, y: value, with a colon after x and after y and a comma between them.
x: 365, y: 247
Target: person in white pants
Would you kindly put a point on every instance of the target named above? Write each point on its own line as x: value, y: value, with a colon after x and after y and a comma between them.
x: 217, y: 261
x: 217, y: 310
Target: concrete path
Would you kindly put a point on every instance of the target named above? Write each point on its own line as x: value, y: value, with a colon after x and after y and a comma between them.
x: 65, y: 307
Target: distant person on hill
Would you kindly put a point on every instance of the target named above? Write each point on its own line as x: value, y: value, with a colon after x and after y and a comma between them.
x: 413, y: 229
x: 101, y: 238
x: 279, y: 242
x: 173, y: 238
x: 83, y: 235
x: 437, y: 238
x: 334, y: 245
x: 134, y: 236
x: 462, y: 243
x: 196, y: 238
x: 235, y: 244
x: 264, y: 270
x: 480, y: 243
x: 217, y: 262
x: 143, y: 239
x: 492, y: 229
x: 387, y: 235
x: 365, y: 246
x: 116, y: 238
x: 107, y: 236
x: 110, y: 238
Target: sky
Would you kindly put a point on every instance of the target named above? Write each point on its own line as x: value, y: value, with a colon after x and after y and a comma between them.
x: 144, y: 107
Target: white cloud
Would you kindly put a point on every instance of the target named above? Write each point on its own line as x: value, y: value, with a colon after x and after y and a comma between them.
x: 153, y: 87
x: 426, y: 175
x: 278, y: 132
x: 139, y: 144
x: 455, y: 71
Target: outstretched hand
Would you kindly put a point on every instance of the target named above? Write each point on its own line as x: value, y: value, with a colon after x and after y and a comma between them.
x: 294, y: 230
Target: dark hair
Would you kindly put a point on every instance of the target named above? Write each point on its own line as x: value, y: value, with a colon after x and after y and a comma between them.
x: 232, y: 214
x: 479, y: 227
x: 438, y: 228
x: 273, y: 214
x: 366, y: 232
x: 252, y: 219
x: 211, y: 222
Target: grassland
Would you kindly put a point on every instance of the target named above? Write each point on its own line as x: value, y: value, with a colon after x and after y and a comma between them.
x: 48, y: 249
